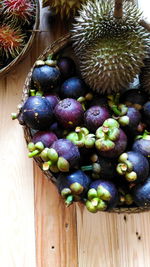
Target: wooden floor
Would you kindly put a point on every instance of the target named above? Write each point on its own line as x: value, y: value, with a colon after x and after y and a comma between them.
x: 35, y: 227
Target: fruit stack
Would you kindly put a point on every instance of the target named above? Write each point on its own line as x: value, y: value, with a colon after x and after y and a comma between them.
x: 88, y: 116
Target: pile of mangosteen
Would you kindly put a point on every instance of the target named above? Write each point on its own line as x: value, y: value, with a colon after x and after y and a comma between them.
x: 96, y: 146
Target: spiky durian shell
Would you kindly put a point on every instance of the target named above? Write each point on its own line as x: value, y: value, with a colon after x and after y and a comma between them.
x: 11, y: 41
x: 66, y: 8
x: 110, y: 50
x: 18, y: 10
x: 145, y: 74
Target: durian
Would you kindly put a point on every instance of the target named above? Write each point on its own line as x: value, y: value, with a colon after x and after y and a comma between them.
x: 66, y: 8
x: 110, y: 48
x: 145, y: 74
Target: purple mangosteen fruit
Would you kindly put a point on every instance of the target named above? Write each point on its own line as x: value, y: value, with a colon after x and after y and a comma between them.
x: 141, y: 194
x: 69, y: 113
x: 46, y: 78
x: 102, y: 195
x: 95, y: 116
x: 73, y: 186
x: 134, y: 98
x: 40, y: 140
x: 142, y: 144
x: 111, y: 140
x: 73, y: 87
x: 128, y: 117
x: 99, y: 101
x: 146, y: 112
x: 66, y: 66
x: 37, y: 113
x: 62, y: 156
x: 53, y: 99
x: 133, y: 166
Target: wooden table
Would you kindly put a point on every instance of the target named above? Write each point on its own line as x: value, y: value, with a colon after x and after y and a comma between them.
x: 35, y: 227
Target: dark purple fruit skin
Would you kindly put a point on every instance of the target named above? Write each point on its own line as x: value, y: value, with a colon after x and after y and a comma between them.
x: 66, y: 149
x: 37, y: 113
x: 69, y: 113
x: 46, y: 137
x: 108, y: 185
x: 142, y: 146
x: 146, y: 110
x: 141, y: 193
x: 73, y: 88
x: 55, y: 128
x: 134, y: 97
x: 53, y: 100
x: 75, y: 177
x: 66, y: 66
x: 140, y: 165
x: 46, y: 78
x: 134, y: 118
x: 120, y: 146
x: 95, y: 116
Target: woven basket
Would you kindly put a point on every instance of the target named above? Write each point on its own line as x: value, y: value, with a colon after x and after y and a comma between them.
x: 58, y: 46
x: 28, y: 45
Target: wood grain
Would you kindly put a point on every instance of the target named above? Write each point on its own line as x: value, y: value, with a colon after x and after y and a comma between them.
x: 17, y: 233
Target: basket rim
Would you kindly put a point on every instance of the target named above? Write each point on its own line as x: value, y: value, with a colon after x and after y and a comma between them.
x: 28, y: 45
x: 55, y: 47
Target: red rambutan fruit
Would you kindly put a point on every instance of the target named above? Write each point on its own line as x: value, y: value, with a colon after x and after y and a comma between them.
x: 11, y: 41
x: 15, y: 10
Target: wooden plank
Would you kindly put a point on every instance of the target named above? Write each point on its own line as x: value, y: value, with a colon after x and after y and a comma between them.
x: 56, y: 236
x: 17, y: 233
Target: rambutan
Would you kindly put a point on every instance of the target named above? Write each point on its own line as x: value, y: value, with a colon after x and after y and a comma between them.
x: 11, y: 41
x: 22, y: 10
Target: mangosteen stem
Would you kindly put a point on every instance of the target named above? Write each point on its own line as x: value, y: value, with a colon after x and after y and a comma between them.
x: 32, y: 92
x: 118, y: 10
x: 87, y: 168
x: 14, y: 116
x: 69, y: 200
x: 34, y: 153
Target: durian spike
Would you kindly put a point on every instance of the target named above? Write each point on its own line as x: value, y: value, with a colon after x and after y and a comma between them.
x: 118, y: 10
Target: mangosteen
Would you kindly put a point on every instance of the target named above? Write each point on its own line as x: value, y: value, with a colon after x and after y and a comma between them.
x: 81, y: 137
x: 95, y: 116
x: 128, y: 117
x: 37, y: 113
x: 111, y: 140
x: 45, y: 77
x: 133, y: 166
x: 101, y: 168
x: 146, y: 111
x: 142, y: 144
x: 73, y: 186
x: 66, y: 66
x: 134, y: 98
x: 73, y: 87
x: 57, y: 129
x: 40, y: 140
x: 53, y: 99
x: 141, y: 193
x: 69, y: 113
x: 102, y: 195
